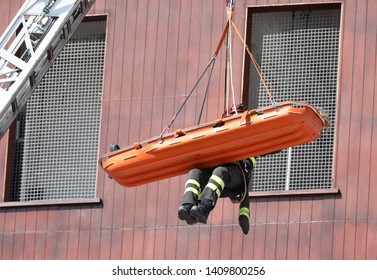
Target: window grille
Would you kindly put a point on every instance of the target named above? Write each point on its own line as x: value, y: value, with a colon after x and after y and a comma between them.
x: 56, y: 143
x: 298, y: 52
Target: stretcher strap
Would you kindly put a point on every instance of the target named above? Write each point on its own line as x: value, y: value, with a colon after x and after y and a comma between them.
x: 255, y: 63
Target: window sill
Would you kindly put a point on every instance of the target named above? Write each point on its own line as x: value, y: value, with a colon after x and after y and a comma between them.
x: 51, y: 202
x: 295, y: 192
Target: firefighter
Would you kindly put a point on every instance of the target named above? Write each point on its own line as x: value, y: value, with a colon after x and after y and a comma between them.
x: 205, y: 185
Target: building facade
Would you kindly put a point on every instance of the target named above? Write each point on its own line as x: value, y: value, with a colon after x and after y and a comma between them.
x: 121, y: 79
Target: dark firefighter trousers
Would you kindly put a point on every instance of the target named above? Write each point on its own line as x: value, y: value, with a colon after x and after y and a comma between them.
x: 221, y: 181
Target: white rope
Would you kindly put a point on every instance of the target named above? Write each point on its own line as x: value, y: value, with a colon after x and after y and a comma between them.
x: 230, y: 85
x: 231, y: 69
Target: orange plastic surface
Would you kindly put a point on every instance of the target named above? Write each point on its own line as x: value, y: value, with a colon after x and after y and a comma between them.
x: 255, y: 132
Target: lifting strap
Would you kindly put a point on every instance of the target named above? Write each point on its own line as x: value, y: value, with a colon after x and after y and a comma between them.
x: 229, y: 88
x: 209, y: 66
x: 261, y: 75
x: 229, y: 79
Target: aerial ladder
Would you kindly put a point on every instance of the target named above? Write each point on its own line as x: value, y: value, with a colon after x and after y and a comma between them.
x: 29, y: 46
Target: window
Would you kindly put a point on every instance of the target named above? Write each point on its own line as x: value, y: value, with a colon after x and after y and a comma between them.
x: 56, y: 136
x: 297, y: 48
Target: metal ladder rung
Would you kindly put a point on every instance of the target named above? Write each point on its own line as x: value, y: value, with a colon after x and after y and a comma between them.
x: 13, y: 59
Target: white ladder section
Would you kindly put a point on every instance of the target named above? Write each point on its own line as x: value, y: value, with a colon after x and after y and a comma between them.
x: 29, y: 46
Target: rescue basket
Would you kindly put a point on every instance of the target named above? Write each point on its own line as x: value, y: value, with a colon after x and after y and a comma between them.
x: 252, y: 133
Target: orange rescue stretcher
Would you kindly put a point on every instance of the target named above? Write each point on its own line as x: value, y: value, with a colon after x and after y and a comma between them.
x: 252, y: 133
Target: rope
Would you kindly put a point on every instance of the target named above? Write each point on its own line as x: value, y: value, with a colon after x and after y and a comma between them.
x: 229, y: 86
x: 212, y: 61
x: 229, y: 74
x: 256, y: 65
x: 244, y: 181
x: 205, y: 93
x: 227, y: 77
x: 230, y: 38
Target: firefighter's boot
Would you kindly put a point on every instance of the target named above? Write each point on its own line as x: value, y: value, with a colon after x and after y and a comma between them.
x: 201, y: 212
x: 184, y: 213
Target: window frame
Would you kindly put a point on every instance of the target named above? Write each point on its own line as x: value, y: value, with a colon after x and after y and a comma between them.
x: 250, y: 9
x: 5, y: 189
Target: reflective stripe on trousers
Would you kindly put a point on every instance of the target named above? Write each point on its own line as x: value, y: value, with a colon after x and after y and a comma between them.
x: 217, y: 184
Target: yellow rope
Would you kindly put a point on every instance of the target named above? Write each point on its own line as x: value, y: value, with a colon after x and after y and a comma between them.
x: 244, y: 181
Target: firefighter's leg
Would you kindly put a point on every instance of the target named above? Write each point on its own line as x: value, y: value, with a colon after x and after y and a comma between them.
x: 212, y: 191
x: 244, y: 215
x: 244, y: 211
x: 196, y: 179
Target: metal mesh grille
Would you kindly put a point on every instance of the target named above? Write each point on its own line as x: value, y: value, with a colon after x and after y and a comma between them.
x: 298, y: 51
x: 56, y: 142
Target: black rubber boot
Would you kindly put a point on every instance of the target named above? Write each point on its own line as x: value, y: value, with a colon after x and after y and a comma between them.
x: 201, y: 212
x: 184, y: 214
